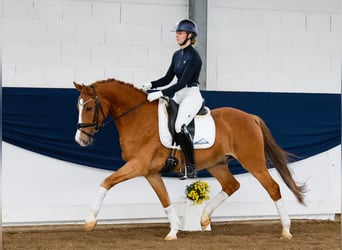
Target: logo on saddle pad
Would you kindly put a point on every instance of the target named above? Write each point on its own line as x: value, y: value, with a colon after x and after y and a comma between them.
x: 204, y: 135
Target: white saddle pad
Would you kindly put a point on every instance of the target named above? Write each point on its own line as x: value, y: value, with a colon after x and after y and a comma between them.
x: 204, y: 128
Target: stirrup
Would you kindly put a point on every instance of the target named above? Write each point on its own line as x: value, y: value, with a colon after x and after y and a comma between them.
x: 192, y: 174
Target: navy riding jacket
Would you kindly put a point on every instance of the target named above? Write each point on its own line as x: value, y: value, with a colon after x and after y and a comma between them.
x: 186, y: 65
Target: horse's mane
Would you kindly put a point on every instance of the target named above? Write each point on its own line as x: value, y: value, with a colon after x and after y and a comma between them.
x: 113, y: 80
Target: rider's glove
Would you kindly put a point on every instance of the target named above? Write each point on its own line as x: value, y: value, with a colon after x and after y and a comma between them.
x: 154, y: 96
x: 146, y: 86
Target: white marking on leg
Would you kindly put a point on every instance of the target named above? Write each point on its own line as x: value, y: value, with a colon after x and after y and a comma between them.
x: 99, y: 200
x: 284, y: 218
x: 174, y: 222
x: 214, y: 203
x: 210, y: 208
x: 91, y: 220
x: 95, y: 208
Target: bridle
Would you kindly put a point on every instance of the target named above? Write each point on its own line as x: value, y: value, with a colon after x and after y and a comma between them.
x: 98, y: 107
x: 95, y: 123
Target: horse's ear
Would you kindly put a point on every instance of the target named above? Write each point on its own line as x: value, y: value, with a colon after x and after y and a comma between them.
x: 83, y: 88
x: 78, y: 86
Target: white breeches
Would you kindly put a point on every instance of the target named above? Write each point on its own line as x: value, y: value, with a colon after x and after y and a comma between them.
x: 190, y: 101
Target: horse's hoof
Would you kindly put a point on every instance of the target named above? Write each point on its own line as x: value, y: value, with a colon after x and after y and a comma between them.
x: 168, y: 237
x: 286, y: 233
x: 172, y: 235
x: 90, y: 225
x: 205, y: 221
x: 286, y: 236
x: 203, y: 228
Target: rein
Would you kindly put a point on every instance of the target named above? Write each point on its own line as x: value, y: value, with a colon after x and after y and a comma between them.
x: 130, y: 110
x: 98, y: 107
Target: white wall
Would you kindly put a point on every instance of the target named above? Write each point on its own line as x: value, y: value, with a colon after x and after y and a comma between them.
x: 50, y: 43
x: 254, y: 45
x: 275, y: 46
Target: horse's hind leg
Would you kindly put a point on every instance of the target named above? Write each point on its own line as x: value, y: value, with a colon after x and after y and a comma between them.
x: 229, y: 185
x: 262, y: 174
x: 273, y: 190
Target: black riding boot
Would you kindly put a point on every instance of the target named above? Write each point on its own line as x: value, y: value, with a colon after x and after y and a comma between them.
x: 184, y: 140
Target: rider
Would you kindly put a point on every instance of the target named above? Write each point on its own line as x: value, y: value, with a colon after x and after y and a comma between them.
x: 186, y: 66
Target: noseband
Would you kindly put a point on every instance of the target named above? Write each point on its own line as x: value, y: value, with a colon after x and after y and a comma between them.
x: 95, y: 122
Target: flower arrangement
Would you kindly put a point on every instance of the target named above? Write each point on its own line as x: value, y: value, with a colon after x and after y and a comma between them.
x: 198, y: 191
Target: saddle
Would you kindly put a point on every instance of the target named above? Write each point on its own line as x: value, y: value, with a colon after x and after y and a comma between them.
x: 172, y: 111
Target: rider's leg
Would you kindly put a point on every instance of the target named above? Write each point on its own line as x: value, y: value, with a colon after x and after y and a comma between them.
x: 190, y: 102
x: 184, y: 140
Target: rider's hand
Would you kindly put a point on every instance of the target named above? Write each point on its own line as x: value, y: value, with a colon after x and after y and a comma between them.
x: 154, y: 96
x: 146, y: 86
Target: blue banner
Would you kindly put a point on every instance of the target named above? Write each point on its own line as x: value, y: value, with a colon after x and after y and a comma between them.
x: 43, y: 120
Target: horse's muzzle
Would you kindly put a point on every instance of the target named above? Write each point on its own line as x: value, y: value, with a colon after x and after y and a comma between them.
x: 83, y: 138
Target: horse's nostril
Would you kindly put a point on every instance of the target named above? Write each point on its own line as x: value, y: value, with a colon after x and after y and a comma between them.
x: 84, y: 143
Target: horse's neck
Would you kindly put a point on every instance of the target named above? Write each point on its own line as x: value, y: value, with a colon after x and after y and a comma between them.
x: 133, y: 115
x: 122, y: 98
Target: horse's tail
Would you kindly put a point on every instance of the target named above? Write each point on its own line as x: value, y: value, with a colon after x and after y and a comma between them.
x: 278, y: 158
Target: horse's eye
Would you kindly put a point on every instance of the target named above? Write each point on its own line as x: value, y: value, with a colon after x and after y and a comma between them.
x: 89, y: 108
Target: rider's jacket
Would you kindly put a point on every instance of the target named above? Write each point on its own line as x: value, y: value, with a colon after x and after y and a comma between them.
x: 186, y: 66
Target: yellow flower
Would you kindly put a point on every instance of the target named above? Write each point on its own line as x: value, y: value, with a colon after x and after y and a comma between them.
x: 198, y: 191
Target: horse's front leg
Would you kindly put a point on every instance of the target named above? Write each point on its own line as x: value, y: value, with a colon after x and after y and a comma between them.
x: 91, y: 220
x: 158, y: 186
x: 126, y: 172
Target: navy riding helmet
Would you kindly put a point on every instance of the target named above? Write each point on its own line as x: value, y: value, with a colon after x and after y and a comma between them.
x: 187, y: 25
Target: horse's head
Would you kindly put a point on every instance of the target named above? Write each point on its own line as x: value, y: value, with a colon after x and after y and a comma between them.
x: 91, y: 114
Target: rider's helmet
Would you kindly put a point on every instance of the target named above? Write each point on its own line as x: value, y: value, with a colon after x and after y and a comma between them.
x: 187, y: 25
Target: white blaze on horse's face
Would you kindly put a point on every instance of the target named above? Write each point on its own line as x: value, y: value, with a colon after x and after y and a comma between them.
x: 82, y: 137
x: 78, y: 138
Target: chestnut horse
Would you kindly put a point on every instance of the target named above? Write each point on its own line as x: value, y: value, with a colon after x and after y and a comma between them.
x: 240, y: 135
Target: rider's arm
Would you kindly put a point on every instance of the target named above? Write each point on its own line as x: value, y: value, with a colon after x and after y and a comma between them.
x: 189, y: 75
x: 165, y: 80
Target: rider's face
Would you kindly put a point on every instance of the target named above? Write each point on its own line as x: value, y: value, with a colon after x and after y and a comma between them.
x: 180, y: 37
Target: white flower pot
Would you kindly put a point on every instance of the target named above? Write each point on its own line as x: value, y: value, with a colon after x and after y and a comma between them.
x: 192, y: 217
